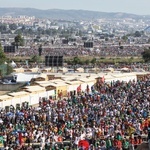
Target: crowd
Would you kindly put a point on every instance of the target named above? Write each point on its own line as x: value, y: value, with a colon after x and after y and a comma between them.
x: 109, y: 116
x: 101, y: 51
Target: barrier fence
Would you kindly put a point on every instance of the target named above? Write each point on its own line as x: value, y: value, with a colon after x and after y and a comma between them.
x: 69, y: 145
x: 64, y: 145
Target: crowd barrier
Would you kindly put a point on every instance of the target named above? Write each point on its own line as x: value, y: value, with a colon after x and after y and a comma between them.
x: 69, y: 144
x: 65, y: 144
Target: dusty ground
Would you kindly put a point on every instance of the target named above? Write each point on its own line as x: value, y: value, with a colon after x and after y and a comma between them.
x: 3, y: 92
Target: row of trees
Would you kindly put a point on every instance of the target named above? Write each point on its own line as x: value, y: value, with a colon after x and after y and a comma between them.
x: 80, y: 61
x: 135, y: 34
x: 2, y: 55
x: 5, y: 28
x: 93, y: 61
x: 18, y: 29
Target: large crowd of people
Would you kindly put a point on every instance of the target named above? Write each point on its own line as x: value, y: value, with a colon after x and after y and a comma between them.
x: 109, y: 116
x: 101, y: 51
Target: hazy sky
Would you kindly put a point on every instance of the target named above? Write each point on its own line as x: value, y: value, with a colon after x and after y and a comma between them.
x: 129, y: 6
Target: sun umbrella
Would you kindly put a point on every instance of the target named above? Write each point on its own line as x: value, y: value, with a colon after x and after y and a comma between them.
x: 83, y: 144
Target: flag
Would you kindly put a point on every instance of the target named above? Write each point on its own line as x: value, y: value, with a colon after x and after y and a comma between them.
x: 20, y: 138
x: 58, y: 138
x: 130, y: 130
x: 79, y: 88
x: 84, y: 144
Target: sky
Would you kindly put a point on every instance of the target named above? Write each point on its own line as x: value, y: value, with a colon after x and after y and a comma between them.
x: 140, y: 7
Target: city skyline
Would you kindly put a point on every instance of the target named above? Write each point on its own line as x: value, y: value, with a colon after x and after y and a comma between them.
x: 126, y: 6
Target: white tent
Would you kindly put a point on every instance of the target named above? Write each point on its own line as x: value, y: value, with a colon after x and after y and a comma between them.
x: 23, y: 77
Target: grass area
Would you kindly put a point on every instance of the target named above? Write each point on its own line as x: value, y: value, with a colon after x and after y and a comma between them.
x: 109, y: 59
x: 121, y: 60
x: 84, y: 58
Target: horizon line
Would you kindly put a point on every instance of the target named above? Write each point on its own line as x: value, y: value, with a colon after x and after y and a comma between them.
x: 74, y: 10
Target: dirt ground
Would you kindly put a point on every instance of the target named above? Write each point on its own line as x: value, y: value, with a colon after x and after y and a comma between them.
x: 3, y: 92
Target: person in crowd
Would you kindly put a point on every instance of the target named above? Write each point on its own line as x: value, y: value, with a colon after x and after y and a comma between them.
x: 115, y: 116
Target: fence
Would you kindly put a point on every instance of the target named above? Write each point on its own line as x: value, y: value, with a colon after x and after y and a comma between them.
x: 70, y: 146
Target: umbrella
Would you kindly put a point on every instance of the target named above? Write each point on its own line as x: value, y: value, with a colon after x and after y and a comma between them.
x: 84, y: 144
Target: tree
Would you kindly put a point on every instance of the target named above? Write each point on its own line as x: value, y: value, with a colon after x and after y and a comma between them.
x: 146, y: 55
x: 3, y: 28
x: 87, y: 61
x: 19, y: 41
x: 2, y: 55
x: 121, y: 47
x: 35, y: 58
x: 76, y: 60
x: 40, y: 50
x: 13, y: 26
x: 93, y: 61
x: 137, y: 34
x: 106, y: 39
x: 9, y: 69
x: 125, y: 37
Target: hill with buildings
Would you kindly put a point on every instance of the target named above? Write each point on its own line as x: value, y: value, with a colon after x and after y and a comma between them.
x: 66, y: 14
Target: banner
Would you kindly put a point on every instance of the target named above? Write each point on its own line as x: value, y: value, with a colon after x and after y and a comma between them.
x: 20, y: 138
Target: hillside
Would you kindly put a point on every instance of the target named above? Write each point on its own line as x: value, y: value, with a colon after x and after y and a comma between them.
x: 66, y: 14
